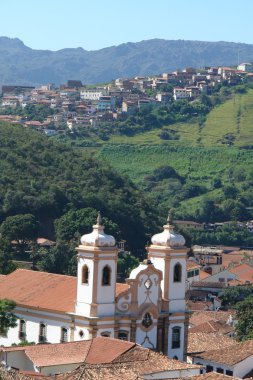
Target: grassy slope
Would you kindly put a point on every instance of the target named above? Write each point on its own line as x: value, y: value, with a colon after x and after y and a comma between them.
x: 235, y: 116
x: 197, y: 163
x: 198, y: 155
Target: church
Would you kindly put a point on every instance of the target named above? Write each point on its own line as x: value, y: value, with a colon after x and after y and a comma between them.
x: 149, y: 308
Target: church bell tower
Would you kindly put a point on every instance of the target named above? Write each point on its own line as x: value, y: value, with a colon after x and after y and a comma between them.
x: 169, y: 253
x: 96, y: 273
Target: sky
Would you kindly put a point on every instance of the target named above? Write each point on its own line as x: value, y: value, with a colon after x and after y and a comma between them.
x: 96, y: 24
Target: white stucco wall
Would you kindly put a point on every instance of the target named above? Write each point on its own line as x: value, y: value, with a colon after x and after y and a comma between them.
x: 63, y: 368
x: 150, y: 295
x: 17, y: 359
x: 53, y: 328
x: 152, y: 336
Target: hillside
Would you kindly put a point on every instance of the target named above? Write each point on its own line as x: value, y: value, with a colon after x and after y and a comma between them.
x: 48, y: 179
x: 22, y: 65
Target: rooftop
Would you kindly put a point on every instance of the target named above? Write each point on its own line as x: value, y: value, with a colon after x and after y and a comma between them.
x: 230, y: 355
x: 30, y: 288
x: 204, y: 341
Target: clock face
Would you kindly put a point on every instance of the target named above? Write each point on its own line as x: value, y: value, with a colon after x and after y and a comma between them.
x: 148, y: 283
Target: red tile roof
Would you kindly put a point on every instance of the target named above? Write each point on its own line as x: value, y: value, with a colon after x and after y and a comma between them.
x: 230, y: 355
x: 203, y: 341
x: 31, y: 288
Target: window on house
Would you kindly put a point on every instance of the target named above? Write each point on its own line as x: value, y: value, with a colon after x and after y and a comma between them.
x: 229, y: 373
x: 123, y: 335
x: 85, y: 274
x: 106, y: 276
x: 64, y: 335
x: 42, y: 333
x: 209, y: 368
x: 176, y: 337
x: 177, y: 273
x: 219, y: 370
x: 22, y: 329
x: 196, y: 272
x: 106, y: 334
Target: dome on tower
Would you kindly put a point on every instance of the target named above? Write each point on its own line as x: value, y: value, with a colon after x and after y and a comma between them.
x: 98, y: 238
x: 168, y: 238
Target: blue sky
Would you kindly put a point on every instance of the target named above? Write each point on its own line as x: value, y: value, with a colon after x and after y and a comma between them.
x: 95, y: 24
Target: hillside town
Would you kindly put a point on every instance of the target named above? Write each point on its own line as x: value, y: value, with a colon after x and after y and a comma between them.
x: 166, y: 321
x: 76, y: 106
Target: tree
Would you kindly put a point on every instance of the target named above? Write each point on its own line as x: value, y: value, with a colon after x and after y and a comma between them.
x: 244, y: 315
x: 126, y: 262
x: 77, y: 222
x: 22, y: 228
x: 6, y: 264
x: 7, y: 317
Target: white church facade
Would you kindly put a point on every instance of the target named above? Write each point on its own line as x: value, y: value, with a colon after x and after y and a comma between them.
x: 148, y: 309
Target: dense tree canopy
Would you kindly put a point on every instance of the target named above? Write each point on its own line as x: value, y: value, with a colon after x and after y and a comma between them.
x: 7, y: 317
x: 48, y: 179
x: 244, y: 315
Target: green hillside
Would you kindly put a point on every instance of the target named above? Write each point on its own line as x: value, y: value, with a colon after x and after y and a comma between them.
x: 45, y: 178
x: 232, y: 118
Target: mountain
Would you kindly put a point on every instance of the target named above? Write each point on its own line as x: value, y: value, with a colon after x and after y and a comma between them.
x: 22, y: 65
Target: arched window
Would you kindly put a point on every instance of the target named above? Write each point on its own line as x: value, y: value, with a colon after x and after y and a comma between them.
x: 106, y: 276
x: 85, y: 274
x: 176, y: 337
x: 64, y: 335
x: 22, y: 329
x: 177, y: 277
x: 42, y: 333
x: 123, y: 335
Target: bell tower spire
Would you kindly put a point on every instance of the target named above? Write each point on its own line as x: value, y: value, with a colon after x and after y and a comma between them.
x: 97, y: 272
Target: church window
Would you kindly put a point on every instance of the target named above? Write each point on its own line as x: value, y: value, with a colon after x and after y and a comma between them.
x: 64, y: 335
x: 22, y: 329
x: 106, y: 276
x: 177, y: 273
x: 176, y: 337
x: 147, y: 320
x: 123, y: 335
x: 106, y: 334
x: 85, y: 274
x: 42, y: 333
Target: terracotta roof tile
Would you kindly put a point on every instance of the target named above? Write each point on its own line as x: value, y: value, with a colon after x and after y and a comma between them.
x: 105, y: 350
x: 120, y: 288
x: 30, y: 288
x: 199, y: 317
x: 205, y: 284
x: 230, y: 355
x: 213, y: 326
x: 203, y: 341
x: 192, y: 265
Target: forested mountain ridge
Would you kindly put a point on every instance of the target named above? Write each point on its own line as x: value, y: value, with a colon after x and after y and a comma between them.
x: 48, y: 179
x: 22, y: 65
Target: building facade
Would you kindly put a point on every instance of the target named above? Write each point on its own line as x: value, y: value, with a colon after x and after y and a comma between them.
x: 148, y: 309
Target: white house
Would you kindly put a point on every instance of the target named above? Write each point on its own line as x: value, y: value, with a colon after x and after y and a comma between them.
x: 234, y: 360
x: 50, y: 359
x: 148, y: 309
